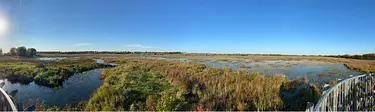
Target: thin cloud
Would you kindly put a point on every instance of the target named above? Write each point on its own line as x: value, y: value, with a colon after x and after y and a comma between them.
x: 83, y: 44
x: 139, y: 46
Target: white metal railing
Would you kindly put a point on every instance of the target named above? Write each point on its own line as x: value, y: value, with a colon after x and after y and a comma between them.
x: 355, y: 93
x: 6, y: 103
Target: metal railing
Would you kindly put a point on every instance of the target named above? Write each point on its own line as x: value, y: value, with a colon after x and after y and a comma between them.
x: 352, y: 94
x: 6, y: 103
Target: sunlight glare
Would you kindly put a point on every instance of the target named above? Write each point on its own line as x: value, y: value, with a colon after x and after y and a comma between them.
x: 3, y: 25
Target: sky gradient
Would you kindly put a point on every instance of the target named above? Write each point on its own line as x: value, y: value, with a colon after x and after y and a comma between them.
x: 212, y: 26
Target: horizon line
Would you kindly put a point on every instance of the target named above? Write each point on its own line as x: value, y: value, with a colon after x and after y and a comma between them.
x: 184, y: 52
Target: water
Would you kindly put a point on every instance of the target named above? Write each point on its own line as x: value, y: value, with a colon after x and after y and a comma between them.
x: 101, y: 61
x: 311, y: 69
x: 77, y: 88
x: 52, y: 58
x: 56, y: 58
x: 316, y: 71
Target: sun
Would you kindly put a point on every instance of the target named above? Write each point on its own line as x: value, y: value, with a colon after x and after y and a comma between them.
x: 3, y: 25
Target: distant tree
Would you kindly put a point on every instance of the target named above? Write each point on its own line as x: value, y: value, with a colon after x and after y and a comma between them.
x: 21, y: 51
x: 13, y: 51
x: 1, y: 51
x: 30, y: 52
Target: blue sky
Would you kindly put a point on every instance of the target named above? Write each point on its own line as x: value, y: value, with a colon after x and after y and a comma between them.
x: 214, y: 26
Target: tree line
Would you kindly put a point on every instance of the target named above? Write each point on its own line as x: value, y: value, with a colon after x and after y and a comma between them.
x: 165, y: 53
x: 22, y: 51
x: 361, y: 56
x: 108, y: 52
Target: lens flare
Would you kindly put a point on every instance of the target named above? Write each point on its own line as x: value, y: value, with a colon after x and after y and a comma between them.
x: 3, y: 25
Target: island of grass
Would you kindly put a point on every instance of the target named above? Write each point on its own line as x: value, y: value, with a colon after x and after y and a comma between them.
x: 46, y: 73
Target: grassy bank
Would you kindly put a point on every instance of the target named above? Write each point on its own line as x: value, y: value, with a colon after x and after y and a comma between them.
x: 365, y: 66
x: 171, y: 85
x: 50, y: 74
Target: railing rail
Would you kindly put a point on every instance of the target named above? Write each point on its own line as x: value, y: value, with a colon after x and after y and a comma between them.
x: 6, y: 103
x: 355, y: 93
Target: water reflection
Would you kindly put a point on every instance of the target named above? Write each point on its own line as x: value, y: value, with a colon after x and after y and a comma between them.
x: 77, y: 88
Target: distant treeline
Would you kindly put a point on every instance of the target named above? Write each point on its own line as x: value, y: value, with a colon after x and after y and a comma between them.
x: 361, y: 56
x: 107, y: 52
x: 161, y: 53
x: 364, y: 56
x: 240, y: 54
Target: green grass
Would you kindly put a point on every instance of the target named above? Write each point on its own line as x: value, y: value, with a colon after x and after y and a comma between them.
x: 141, y: 84
x: 19, y: 72
x: 51, y: 75
x: 133, y: 88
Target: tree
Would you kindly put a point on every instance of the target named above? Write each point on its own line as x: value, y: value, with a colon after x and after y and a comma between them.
x: 21, y: 51
x: 30, y: 52
x: 1, y: 51
x: 13, y: 51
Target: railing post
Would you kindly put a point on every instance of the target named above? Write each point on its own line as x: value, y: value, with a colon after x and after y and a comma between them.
x: 355, y: 94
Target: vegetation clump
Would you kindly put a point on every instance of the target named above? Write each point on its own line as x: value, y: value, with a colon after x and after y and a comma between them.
x: 296, y: 93
x: 47, y: 74
x: 19, y: 72
x: 52, y: 75
x: 140, y: 84
x: 134, y: 88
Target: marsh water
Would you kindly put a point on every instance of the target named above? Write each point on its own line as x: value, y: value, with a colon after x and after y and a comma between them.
x: 80, y: 87
x: 51, y: 58
x: 316, y: 71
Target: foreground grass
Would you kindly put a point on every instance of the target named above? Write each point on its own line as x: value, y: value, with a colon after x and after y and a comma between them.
x: 170, y: 85
x: 50, y: 74
x: 39, y: 105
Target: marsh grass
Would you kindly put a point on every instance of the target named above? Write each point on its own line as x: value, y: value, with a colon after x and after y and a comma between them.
x: 40, y: 105
x: 365, y: 66
x: 51, y: 74
x: 194, y: 86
